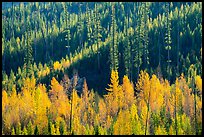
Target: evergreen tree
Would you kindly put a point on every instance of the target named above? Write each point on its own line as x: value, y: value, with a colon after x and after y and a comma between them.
x: 18, y: 129
x: 145, y: 33
x: 36, y: 131
x: 67, y: 20
x: 30, y: 128
x: 25, y: 132
x: 80, y: 27
x: 138, y: 39
x: 114, y: 45
x: 97, y: 33
x: 13, y: 131
x: 127, y: 50
x: 88, y: 24
x: 28, y: 53
x: 168, y: 37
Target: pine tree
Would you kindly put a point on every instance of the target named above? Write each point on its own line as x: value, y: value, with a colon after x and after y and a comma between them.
x: 145, y: 33
x: 25, y: 132
x: 168, y: 37
x: 178, y: 42
x: 114, y: 45
x: 80, y: 28
x: 138, y: 39
x: 88, y: 24
x: 97, y: 33
x: 30, y: 128
x: 36, y: 131
x: 67, y: 19
x: 28, y: 53
x: 18, y: 129
x: 13, y: 131
x: 127, y: 51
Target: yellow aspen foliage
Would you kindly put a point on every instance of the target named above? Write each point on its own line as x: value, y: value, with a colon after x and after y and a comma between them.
x: 55, y: 86
x: 122, y: 126
x: 53, y: 131
x: 198, y: 82
x: 4, y: 100
x: 144, y: 89
x: 109, y: 121
x: 143, y: 81
x: 57, y: 132
x: 14, y: 106
x: 135, y: 122
x: 27, y: 106
x: 186, y: 124
x: 77, y: 126
x: 65, y: 63
x: 75, y: 102
x: 42, y: 103
x: 29, y: 84
x: 114, y: 82
x: 102, y: 131
x: 156, y: 98
x: 59, y: 99
x: 133, y: 113
x: 102, y: 111
x: 118, y: 126
x: 6, y: 117
x: 167, y: 94
x: 57, y: 66
x: 187, y: 102
x: 143, y: 115
x: 91, y: 115
x: 175, y: 94
x: 39, y: 74
x: 128, y: 90
x: 115, y: 94
x: 18, y: 40
x: 127, y: 123
x: 85, y: 95
x: 172, y: 130
x: 160, y: 131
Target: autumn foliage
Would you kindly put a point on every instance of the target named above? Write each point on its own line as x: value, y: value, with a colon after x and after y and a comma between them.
x: 123, y: 110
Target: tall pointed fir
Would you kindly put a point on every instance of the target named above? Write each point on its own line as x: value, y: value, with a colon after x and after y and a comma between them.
x: 80, y: 27
x: 28, y: 59
x: 88, y: 25
x: 114, y: 45
x: 67, y: 28
x: 137, y: 49
x: 97, y: 33
x: 168, y: 38
x: 127, y: 49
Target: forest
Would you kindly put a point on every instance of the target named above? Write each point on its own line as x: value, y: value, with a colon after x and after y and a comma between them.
x: 102, y: 68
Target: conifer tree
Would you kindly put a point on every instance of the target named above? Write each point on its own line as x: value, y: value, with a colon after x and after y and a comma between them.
x: 168, y: 40
x: 114, y: 43
x: 28, y: 53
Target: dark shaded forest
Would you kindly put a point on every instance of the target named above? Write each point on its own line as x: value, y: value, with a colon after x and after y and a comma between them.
x: 65, y: 50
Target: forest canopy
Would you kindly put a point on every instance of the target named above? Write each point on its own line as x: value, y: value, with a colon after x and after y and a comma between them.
x: 84, y: 67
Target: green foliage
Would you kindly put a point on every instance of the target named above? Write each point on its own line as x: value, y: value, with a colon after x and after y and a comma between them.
x: 36, y: 131
x: 30, y: 128
x: 114, y: 42
x: 45, y: 40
